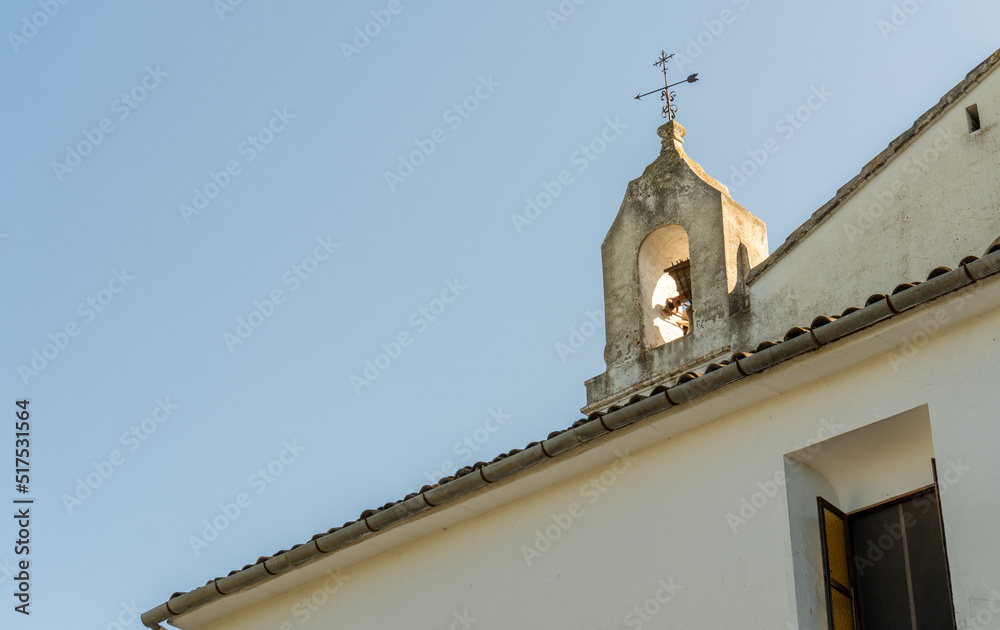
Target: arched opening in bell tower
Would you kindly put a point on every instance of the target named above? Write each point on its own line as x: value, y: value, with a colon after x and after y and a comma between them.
x: 665, y: 285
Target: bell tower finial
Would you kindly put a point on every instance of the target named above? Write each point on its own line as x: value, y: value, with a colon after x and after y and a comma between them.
x: 669, y: 109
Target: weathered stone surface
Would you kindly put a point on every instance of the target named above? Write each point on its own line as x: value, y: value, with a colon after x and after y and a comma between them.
x: 673, y: 191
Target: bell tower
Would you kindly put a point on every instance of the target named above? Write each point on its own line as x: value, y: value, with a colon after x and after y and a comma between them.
x: 675, y: 264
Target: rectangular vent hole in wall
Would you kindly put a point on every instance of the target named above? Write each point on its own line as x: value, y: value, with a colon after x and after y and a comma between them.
x: 972, y: 111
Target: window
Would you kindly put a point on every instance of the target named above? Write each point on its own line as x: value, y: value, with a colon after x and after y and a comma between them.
x: 972, y: 113
x: 897, y: 576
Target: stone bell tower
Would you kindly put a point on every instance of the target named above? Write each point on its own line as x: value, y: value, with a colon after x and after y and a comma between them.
x: 675, y: 265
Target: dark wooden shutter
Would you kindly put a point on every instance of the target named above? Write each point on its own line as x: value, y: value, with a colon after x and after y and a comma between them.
x: 835, y: 540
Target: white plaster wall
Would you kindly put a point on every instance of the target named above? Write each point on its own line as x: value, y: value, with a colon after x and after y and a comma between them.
x: 934, y: 203
x: 962, y: 397
x: 665, y: 516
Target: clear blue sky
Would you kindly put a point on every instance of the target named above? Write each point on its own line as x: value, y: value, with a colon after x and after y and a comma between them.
x: 116, y: 114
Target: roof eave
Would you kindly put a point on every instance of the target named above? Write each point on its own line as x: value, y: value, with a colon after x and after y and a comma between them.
x: 878, y: 310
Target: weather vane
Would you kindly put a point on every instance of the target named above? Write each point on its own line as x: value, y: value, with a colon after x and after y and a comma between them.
x: 669, y: 109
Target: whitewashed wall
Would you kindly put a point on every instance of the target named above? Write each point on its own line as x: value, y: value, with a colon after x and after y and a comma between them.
x: 935, y: 202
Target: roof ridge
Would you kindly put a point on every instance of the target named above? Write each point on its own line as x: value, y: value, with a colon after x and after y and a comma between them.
x: 874, y: 165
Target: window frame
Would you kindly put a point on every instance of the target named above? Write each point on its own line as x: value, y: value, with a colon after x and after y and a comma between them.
x: 852, y: 590
x: 829, y: 583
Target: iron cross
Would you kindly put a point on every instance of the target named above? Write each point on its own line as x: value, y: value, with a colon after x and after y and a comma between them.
x: 669, y: 109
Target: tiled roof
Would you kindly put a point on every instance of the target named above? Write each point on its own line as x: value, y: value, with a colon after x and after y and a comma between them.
x: 797, y: 341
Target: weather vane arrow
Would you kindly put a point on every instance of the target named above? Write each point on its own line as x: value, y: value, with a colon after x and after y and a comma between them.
x: 669, y: 109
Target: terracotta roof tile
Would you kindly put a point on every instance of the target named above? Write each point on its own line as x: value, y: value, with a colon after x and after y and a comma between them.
x: 687, y: 376
x: 795, y: 332
x: 938, y: 271
x: 823, y: 320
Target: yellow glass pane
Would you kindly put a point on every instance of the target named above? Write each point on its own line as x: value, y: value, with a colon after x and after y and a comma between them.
x: 836, y: 545
x: 843, y: 610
